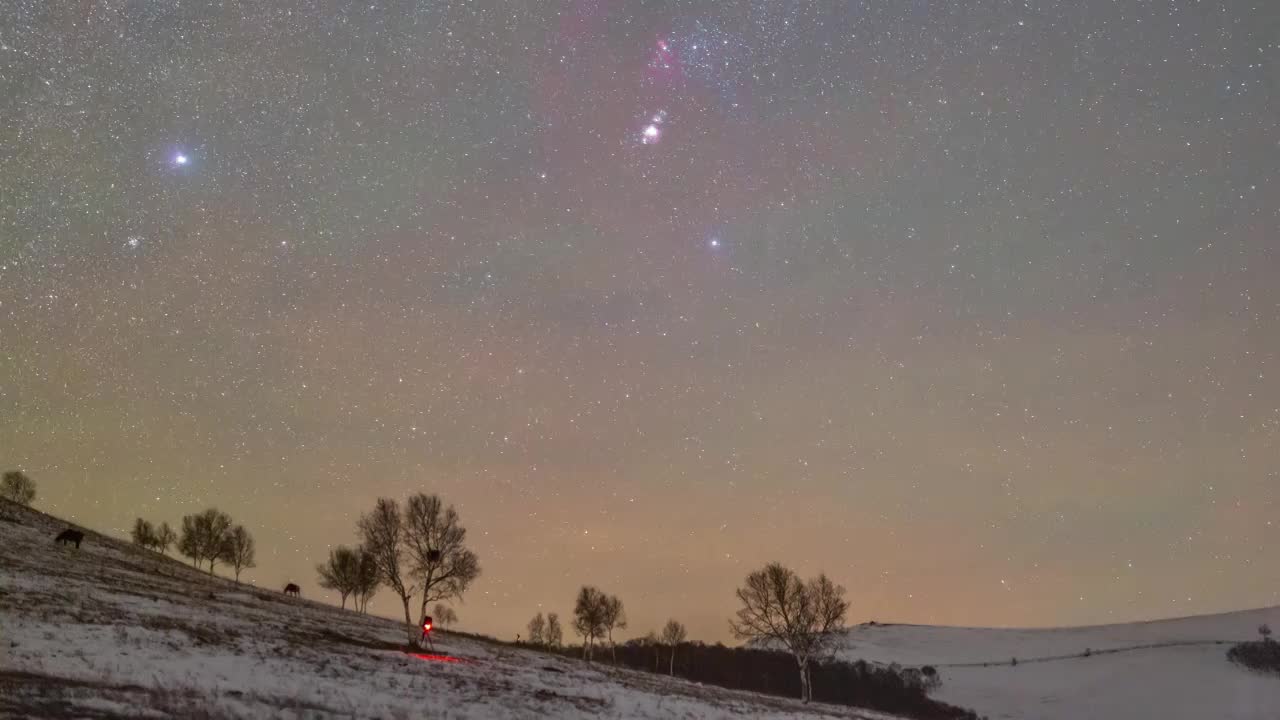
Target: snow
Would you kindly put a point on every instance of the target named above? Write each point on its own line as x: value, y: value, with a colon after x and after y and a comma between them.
x: 111, y: 630
x: 1171, y: 669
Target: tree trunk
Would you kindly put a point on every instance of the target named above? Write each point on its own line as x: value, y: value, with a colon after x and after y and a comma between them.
x: 805, y: 691
x: 344, y: 600
x: 408, y: 624
x: 673, y: 661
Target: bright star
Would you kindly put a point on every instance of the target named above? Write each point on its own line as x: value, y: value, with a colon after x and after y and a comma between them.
x: 180, y: 159
x: 715, y: 242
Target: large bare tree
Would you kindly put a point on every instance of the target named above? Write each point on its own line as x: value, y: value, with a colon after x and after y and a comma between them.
x: 436, y: 543
x: 383, y: 533
x: 780, y: 608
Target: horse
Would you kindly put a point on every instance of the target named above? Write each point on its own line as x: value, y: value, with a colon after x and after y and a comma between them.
x: 69, y: 536
x: 292, y: 589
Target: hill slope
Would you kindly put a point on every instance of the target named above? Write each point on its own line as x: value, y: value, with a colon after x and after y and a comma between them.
x: 111, y: 630
x: 1171, y: 669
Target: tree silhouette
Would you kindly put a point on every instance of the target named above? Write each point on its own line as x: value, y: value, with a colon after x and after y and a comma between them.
x: 164, y: 538
x: 383, y: 533
x: 538, y: 630
x: 143, y: 534
x: 803, y: 617
x: 204, y: 535
x: 672, y: 635
x: 18, y: 487
x: 589, y: 614
x: 367, y: 578
x: 554, y: 636
x: 436, y: 545
x: 615, y: 617
x: 444, y: 615
x: 238, y: 550
x: 341, y: 572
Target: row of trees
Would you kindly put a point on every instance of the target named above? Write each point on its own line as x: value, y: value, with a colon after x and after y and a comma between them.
x: 352, y: 572
x: 779, y: 611
x: 209, y: 536
x: 17, y: 486
x: 546, y: 632
x: 152, y: 537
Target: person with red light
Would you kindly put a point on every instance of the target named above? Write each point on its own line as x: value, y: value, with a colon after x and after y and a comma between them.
x: 426, y: 633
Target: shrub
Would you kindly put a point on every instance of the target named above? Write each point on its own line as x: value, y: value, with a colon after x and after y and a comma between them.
x: 1261, y: 655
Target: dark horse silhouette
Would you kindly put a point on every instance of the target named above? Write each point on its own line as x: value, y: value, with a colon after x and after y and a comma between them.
x: 69, y: 536
x: 293, y: 590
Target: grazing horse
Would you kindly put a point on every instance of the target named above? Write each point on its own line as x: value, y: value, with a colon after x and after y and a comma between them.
x: 69, y: 536
x: 292, y: 589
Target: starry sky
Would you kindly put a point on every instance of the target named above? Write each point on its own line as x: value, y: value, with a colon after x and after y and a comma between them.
x: 972, y: 306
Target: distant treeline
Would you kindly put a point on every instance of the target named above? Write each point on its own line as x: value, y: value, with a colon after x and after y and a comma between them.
x: 901, y: 691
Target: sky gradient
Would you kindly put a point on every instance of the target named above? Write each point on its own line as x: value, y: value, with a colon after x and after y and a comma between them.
x: 973, y: 306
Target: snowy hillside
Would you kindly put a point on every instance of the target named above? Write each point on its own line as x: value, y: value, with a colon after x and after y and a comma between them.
x: 1169, y: 669
x: 110, y: 631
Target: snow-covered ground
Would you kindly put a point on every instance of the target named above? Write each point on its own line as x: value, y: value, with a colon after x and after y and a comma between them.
x: 111, y: 631
x: 1169, y: 669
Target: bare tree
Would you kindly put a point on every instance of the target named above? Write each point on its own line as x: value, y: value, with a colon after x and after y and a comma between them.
x: 588, y: 617
x: 18, y: 487
x: 554, y: 636
x: 367, y: 579
x: 383, y: 533
x: 672, y: 635
x: 238, y: 550
x: 203, y: 536
x: 444, y: 615
x: 777, y: 606
x: 614, y: 617
x: 341, y: 572
x: 436, y: 543
x: 164, y: 537
x: 143, y: 534
x: 538, y: 630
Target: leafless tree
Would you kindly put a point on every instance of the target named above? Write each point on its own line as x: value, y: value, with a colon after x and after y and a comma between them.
x: 143, y: 534
x: 341, y: 572
x: 164, y: 538
x: 367, y: 579
x: 383, y: 533
x: 538, y: 630
x: 238, y: 550
x: 444, y: 615
x: 673, y: 634
x: 615, y: 617
x: 18, y: 487
x: 203, y: 536
x: 554, y: 636
x: 436, y: 544
x: 588, y: 617
x: 804, y: 617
